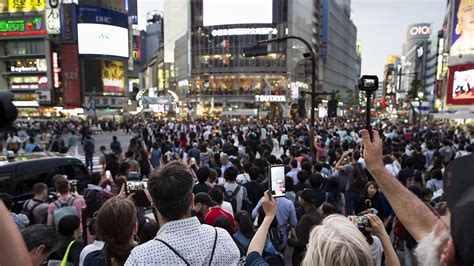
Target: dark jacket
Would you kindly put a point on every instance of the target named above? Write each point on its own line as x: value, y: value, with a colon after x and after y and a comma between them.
x: 306, y: 223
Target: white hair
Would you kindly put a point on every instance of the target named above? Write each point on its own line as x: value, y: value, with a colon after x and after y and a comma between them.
x: 337, y: 241
x: 427, y: 252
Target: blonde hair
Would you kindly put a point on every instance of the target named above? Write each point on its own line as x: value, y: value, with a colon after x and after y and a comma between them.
x: 462, y: 5
x: 337, y: 242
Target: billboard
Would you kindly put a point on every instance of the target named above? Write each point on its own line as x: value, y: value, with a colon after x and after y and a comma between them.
x: 461, y: 85
x: 113, y: 76
x: 99, y: 39
x: 68, y: 14
x: 70, y: 74
x: 462, y: 41
x: 14, y: 6
x: 97, y: 15
x: 28, y: 26
x: 325, y: 31
x: 225, y: 12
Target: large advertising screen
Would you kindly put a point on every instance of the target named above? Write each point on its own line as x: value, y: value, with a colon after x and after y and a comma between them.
x: 100, y: 39
x: 113, y: 76
x: 461, y: 85
x: 462, y: 41
x: 225, y: 12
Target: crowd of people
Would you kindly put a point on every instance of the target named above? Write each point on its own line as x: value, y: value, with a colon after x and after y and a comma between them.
x: 350, y: 198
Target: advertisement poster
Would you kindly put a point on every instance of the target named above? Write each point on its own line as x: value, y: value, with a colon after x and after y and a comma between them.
x: 25, y: 5
x: 113, y: 76
x: 462, y: 41
x: 461, y: 85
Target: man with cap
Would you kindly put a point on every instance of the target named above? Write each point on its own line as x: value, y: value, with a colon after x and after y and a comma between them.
x: 442, y: 240
x: 310, y: 218
x: 202, y: 203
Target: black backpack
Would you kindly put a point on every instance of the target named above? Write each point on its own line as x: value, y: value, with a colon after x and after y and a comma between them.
x: 29, y: 212
x: 359, y: 179
x: 92, y: 204
x: 232, y: 197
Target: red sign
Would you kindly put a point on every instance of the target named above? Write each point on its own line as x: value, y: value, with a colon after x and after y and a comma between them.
x: 460, y: 85
x: 71, y: 75
x: 56, y: 70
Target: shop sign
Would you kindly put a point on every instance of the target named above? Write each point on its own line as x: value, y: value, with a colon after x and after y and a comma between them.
x: 24, y: 86
x: 53, y: 21
x: 25, y: 66
x: 270, y: 98
x: 22, y: 27
x: 26, y: 5
x: 56, y: 70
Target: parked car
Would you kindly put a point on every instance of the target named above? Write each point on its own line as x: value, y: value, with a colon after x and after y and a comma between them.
x: 19, y: 175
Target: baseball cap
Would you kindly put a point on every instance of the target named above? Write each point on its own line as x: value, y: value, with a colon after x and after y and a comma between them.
x: 308, y: 195
x: 459, y: 194
x: 204, y: 198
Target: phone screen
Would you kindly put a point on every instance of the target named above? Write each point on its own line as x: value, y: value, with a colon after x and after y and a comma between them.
x: 134, y: 186
x: 277, y: 180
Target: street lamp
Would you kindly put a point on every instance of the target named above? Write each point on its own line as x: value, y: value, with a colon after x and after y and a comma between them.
x: 420, y: 99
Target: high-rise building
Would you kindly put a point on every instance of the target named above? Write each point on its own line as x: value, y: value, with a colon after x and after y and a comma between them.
x: 204, y: 42
x: 417, y: 61
x: 340, y: 65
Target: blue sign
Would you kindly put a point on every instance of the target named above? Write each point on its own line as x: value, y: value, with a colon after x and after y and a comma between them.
x: 97, y: 15
x: 325, y: 31
x: 68, y: 14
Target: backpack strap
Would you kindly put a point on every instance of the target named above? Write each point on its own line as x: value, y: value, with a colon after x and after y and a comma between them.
x: 58, y: 204
x: 214, y: 246
x: 66, y: 255
x: 236, y: 191
x: 173, y: 250
x: 70, y: 201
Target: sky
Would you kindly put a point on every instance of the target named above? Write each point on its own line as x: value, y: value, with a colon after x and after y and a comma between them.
x: 381, y: 25
x: 145, y: 6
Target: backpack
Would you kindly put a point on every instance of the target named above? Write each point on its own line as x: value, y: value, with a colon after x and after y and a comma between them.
x: 63, y: 209
x: 359, y: 179
x: 90, y: 196
x: 29, y: 212
x: 232, y: 197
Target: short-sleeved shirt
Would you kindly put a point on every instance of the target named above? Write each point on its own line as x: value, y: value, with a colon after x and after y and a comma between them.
x: 40, y: 211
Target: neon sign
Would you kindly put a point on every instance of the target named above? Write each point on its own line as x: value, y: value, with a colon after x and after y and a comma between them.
x: 22, y: 27
x: 56, y: 70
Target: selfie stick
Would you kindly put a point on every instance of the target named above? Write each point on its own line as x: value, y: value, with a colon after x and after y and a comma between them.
x: 368, y: 126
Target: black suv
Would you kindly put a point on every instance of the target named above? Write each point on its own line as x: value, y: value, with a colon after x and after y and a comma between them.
x: 18, y: 176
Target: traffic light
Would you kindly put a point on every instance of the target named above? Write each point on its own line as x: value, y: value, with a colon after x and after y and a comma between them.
x: 257, y: 50
x: 107, y: 109
x: 332, y: 108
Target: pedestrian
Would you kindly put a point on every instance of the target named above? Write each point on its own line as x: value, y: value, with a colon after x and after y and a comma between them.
x: 62, y: 206
x: 73, y: 144
x: 20, y: 219
x: 36, y: 209
x: 116, y: 147
x: 89, y: 149
x: 40, y: 241
x: 181, y: 239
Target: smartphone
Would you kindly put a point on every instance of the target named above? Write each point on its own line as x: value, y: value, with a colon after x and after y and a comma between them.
x: 362, y: 222
x: 135, y: 186
x: 73, y: 185
x: 192, y: 161
x: 108, y: 175
x: 277, y: 180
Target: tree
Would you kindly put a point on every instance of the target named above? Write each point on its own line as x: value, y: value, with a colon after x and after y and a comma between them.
x: 415, y: 86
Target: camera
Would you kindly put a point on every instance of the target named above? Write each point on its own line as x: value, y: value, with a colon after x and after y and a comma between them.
x: 368, y: 83
x: 362, y: 222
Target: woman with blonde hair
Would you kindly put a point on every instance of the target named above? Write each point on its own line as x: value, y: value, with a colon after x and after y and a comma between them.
x: 337, y: 242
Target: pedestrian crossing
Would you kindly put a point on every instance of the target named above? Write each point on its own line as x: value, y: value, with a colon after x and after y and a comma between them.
x: 96, y: 167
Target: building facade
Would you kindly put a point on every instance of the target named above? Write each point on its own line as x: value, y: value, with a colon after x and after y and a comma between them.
x: 212, y: 77
x: 340, y: 66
